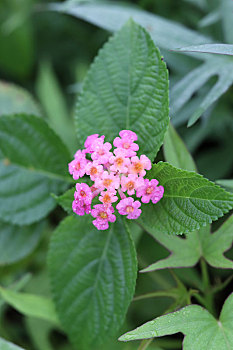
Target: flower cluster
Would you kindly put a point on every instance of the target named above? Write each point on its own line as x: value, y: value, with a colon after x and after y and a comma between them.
x: 115, y: 175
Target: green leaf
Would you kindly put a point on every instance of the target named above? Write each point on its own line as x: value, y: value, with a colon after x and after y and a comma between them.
x: 18, y: 242
x: 189, y: 202
x: 126, y: 88
x: 17, y: 286
x: 227, y: 184
x: 54, y: 104
x: 30, y: 305
x: 14, y: 99
x: 112, y: 16
x: 175, y: 151
x: 226, y: 12
x: 200, y: 328
x: 6, y: 345
x: 220, y: 49
x: 93, y: 275
x: 220, y: 66
x: 167, y: 35
x: 66, y: 199
x: 187, y: 252
x: 184, y: 252
x: 34, y: 165
x: 214, y: 245
x: 25, y: 195
x: 211, y: 18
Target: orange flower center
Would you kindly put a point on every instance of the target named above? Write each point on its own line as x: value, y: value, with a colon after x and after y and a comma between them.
x: 138, y: 167
x: 129, y: 209
x: 83, y: 193
x: 149, y: 190
x: 107, y: 198
x: 93, y: 170
x: 119, y: 161
x: 77, y: 166
x: 107, y: 182
x: 103, y: 215
x: 126, y: 145
x: 130, y: 185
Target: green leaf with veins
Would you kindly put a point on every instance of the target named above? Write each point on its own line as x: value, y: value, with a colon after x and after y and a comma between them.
x: 167, y: 35
x: 6, y: 345
x: 187, y: 252
x: 175, y: 151
x: 30, y: 304
x: 201, y: 330
x: 126, y: 88
x: 14, y: 99
x: 93, y: 275
x: 34, y: 164
x: 17, y: 242
x: 189, y: 202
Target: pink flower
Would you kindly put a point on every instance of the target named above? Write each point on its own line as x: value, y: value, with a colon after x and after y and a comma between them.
x: 108, y: 181
x: 116, y: 175
x: 129, y: 207
x: 94, y: 169
x: 78, y: 165
x: 83, y: 193
x: 139, y: 165
x: 108, y: 197
x: 89, y: 141
x: 81, y: 208
x: 150, y: 191
x: 126, y: 143
x: 103, y: 215
x: 131, y: 183
x: 101, y: 151
x: 128, y: 134
x: 119, y: 162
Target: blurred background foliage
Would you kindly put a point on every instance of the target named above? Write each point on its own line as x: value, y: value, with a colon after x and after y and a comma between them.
x: 48, y: 54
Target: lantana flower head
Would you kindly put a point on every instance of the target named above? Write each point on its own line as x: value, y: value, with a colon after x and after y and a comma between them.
x: 116, y: 176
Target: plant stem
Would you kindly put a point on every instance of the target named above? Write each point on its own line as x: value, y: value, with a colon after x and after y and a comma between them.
x: 144, y: 344
x: 208, y: 299
x: 155, y: 294
x: 205, y: 275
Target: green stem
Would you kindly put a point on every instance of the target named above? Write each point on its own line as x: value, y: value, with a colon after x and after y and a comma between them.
x: 221, y: 286
x: 208, y: 296
x: 205, y: 275
x: 155, y: 294
x: 144, y: 344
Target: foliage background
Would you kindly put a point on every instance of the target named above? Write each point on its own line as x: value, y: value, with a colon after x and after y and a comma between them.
x: 48, y: 54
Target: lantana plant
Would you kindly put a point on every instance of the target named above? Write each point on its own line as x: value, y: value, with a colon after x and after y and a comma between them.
x: 92, y: 258
x: 116, y: 175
